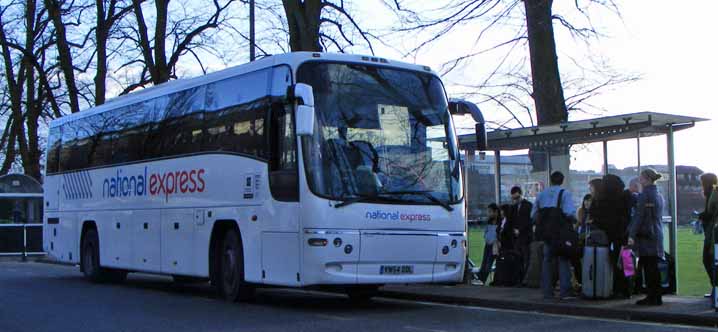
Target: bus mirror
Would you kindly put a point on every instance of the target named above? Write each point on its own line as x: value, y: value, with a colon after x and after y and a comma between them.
x: 305, y: 120
x: 461, y: 107
x: 305, y: 93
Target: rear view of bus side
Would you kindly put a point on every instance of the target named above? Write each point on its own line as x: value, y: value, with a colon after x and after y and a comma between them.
x: 302, y: 169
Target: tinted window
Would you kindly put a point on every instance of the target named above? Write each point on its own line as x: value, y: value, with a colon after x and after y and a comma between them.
x: 53, y: 150
x: 227, y: 116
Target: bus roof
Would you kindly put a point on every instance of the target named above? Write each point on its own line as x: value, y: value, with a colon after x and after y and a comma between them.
x: 293, y: 60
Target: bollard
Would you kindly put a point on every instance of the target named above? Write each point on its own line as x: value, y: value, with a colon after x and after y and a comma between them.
x: 24, y: 240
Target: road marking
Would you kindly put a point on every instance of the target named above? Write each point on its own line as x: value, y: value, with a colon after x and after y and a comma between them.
x: 415, y: 328
x: 333, y: 317
x: 455, y: 306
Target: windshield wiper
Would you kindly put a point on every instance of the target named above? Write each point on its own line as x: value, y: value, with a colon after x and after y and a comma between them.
x: 425, y: 193
x: 363, y: 198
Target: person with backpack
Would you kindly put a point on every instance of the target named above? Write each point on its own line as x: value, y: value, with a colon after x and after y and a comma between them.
x: 553, y: 212
x: 645, y: 234
x: 489, y: 242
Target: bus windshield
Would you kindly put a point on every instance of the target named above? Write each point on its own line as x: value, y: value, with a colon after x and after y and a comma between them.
x: 381, y: 134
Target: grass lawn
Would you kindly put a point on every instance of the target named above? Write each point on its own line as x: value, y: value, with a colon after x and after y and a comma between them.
x: 692, y: 279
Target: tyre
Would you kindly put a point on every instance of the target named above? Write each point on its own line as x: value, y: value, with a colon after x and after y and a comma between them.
x: 90, y: 259
x: 362, y: 294
x: 232, y: 286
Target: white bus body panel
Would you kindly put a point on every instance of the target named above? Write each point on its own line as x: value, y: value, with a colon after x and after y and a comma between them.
x: 274, y: 234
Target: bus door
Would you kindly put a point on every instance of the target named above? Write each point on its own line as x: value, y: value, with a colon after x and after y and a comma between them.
x: 280, y: 233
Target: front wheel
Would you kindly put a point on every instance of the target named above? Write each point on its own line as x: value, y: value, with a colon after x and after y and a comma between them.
x: 232, y: 286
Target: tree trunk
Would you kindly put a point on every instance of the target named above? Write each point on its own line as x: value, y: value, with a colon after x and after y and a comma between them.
x: 63, y: 50
x: 101, y: 35
x: 303, y: 19
x: 547, y: 90
x: 163, y: 71
x: 10, y: 151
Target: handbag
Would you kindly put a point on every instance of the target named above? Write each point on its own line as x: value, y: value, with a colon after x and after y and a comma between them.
x: 628, y: 262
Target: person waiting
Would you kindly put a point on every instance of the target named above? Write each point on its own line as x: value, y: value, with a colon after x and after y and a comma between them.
x: 645, y: 234
x: 548, y: 199
x: 489, y: 242
x: 708, y: 182
x: 521, y: 225
x: 610, y: 213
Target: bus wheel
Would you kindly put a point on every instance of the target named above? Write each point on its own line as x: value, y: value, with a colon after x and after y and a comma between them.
x: 362, y: 294
x: 231, y: 282
x: 91, y: 257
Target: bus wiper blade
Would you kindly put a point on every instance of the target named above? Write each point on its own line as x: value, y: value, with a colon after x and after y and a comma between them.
x: 425, y: 193
x: 358, y: 199
x: 352, y: 200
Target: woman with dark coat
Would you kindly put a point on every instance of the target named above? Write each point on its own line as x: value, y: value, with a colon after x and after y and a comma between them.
x: 645, y: 234
x: 611, y: 213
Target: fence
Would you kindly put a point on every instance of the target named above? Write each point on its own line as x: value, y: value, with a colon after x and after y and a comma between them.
x: 21, y: 240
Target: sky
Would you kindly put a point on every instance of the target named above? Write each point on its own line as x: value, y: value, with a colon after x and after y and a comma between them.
x: 670, y: 46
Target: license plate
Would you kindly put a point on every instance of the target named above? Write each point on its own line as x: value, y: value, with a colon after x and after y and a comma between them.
x: 396, y: 269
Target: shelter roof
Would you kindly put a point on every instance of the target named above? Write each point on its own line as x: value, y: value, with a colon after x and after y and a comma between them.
x: 608, y: 128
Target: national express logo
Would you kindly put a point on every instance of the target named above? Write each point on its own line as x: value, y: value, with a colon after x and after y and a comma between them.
x: 381, y: 215
x: 153, y: 183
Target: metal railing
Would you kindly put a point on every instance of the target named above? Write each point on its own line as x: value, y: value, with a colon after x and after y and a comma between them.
x: 21, y: 240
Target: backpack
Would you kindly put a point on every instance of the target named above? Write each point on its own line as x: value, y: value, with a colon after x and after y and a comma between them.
x: 558, y: 232
x: 549, y: 219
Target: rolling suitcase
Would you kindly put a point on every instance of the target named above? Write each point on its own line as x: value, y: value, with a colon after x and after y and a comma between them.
x: 508, y: 269
x: 597, y: 272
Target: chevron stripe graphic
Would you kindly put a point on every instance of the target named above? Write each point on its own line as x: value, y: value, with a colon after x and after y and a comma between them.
x: 77, y: 185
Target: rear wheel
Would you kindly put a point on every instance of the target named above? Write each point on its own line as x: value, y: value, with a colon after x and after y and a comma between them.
x: 232, y: 286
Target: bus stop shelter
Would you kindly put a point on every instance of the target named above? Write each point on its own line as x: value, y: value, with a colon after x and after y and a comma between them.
x: 20, y: 216
x: 547, y: 138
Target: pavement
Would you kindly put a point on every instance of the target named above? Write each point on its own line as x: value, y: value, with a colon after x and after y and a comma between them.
x: 694, y: 311
x: 49, y: 297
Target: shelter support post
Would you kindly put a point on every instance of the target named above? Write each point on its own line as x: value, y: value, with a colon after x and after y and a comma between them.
x: 638, y: 153
x: 468, y: 163
x: 672, y: 201
x: 497, y: 176
x: 605, y: 157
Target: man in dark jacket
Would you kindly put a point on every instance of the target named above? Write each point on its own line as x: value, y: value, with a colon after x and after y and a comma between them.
x: 521, y: 225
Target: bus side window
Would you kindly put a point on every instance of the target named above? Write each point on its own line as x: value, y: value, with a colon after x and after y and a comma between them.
x: 283, y: 176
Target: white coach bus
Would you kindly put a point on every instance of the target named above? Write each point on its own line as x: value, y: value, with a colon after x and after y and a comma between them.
x: 303, y: 169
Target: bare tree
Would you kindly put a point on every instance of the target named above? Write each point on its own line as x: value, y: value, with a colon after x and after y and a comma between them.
x: 316, y: 25
x: 188, y: 33
x: 22, y: 61
x: 525, y: 28
x: 108, y: 14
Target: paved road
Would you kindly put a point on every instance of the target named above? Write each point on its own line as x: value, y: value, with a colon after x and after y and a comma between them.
x: 45, y: 297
